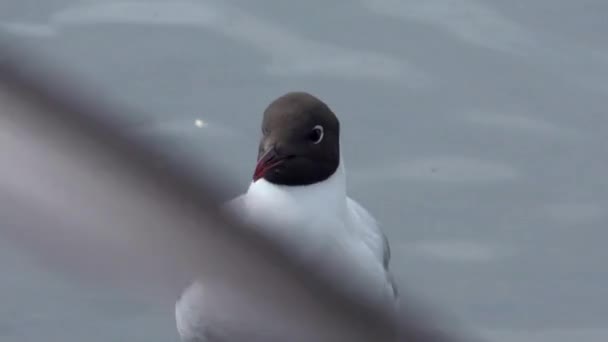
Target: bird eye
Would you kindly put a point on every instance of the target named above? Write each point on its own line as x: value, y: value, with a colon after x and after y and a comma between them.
x: 265, y: 131
x: 316, y: 135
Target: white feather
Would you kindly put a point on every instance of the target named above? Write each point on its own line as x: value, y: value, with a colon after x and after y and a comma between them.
x: 322, y: 226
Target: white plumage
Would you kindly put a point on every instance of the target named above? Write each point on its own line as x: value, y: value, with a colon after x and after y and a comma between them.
x: 321, y: 225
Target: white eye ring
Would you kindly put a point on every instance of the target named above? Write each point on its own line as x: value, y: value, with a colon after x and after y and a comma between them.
x: 319, y: 130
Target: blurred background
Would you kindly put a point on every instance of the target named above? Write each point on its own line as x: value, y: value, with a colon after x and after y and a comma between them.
x: 475, y: 131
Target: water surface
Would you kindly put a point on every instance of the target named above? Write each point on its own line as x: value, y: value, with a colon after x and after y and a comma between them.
x: 474, y: 130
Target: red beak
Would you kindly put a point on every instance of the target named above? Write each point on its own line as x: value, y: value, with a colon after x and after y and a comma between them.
x: 266, y: 162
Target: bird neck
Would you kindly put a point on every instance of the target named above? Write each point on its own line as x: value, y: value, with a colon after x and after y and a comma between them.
x: 329, y: 194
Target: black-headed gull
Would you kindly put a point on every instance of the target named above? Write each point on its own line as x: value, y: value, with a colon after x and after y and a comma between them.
x: 298, y: 195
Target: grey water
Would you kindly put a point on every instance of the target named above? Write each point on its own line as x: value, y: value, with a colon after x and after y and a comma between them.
x: 475, y: 131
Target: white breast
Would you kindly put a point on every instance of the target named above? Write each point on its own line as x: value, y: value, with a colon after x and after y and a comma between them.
x: 322, y: 227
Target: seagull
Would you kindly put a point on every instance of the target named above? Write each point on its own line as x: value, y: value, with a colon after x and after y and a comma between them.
x: 134, y: 232
x: 298, y: 197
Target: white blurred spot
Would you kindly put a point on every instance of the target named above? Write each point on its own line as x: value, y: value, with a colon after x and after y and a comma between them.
x: 200, y: 123
x: 184, y: 128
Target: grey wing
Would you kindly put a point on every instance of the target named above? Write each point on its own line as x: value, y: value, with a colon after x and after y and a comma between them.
x: 376, y: 240
x: 371, y: 232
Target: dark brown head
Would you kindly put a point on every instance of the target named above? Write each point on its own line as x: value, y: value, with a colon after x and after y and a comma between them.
x: 300, y: 142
